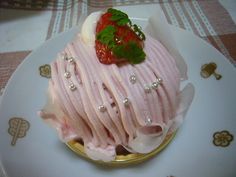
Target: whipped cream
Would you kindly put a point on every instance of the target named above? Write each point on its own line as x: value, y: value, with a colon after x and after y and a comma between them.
x: 88, y: 30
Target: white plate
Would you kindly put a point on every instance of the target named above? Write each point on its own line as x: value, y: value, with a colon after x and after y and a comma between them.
x: 191, y: 154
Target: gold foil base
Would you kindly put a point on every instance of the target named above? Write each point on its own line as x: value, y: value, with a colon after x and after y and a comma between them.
x: 121, y: 160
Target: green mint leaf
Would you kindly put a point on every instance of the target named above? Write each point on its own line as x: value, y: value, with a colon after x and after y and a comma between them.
x: 106, y: 36
x: 119, y: 51
x: 118, y: 16
x: 122, y: 19
x: 123, y: 22
x: 130, y: 51
x: 116, y: 12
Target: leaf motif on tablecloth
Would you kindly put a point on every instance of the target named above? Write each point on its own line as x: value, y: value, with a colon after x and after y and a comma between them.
x: 17, y: 128
x: 222, y: 138
x: 45, y: 71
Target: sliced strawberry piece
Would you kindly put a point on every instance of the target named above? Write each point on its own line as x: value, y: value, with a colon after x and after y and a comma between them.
x: 123, y: 35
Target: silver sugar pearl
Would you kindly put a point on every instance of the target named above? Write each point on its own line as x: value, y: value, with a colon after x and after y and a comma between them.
x: 155, y: 85
x: 159, y: 80
x: 126, y: 102
x: 147, y: 88
x: 67, y: 74
x: 132, y: 79
x: 148, y: 121
x: 102, y: 108
x: 72, y: 87
x: 71, y: 60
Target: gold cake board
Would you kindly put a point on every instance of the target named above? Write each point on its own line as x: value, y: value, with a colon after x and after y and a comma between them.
x: 121, y: 160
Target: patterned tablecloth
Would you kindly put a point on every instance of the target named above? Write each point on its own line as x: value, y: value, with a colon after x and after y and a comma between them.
x: 27, y: 24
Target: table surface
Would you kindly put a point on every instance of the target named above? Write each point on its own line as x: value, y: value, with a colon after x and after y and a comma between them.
x: 26, y: 25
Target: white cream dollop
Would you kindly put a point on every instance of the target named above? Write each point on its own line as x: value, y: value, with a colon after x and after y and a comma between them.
x: 88, y: 28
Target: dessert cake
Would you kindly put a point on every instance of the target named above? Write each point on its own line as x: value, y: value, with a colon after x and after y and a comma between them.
x: 115, y: 89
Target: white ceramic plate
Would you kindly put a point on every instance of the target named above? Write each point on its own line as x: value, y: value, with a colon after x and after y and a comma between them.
x: 191, y: 154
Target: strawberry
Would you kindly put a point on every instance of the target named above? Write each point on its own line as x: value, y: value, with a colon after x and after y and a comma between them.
x: 116, y: 36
